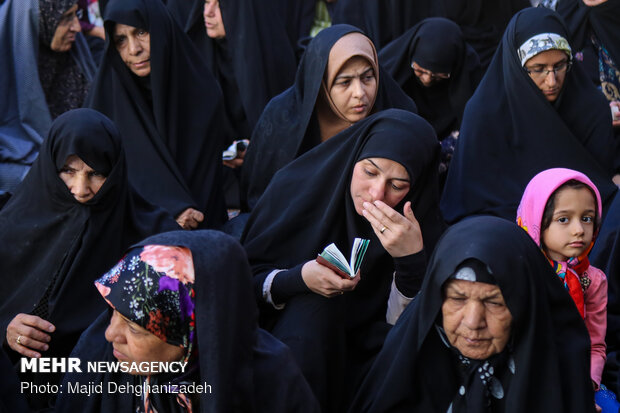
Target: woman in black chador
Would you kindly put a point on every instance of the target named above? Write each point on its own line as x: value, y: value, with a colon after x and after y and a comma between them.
x: 157, y: 89
x: 492, y: 330
x: 71, y: 218
x: 338, y: 83
x: 377, y: 180
x: 532, y: 111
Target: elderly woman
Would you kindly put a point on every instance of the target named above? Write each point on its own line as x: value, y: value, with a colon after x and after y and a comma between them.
x: 186, y: 297
x: 69, y: 220
x: 493, y: 330
x: 153, y: 84
x: 45, y: 70
x: 532, y: 111
x: 339, y: 82
x: 376, y: 181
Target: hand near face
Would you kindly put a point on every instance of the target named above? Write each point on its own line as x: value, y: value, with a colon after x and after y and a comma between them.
x: 190, y: 218
x: 615, y: 109
x: 326, y: 282
x: 33, y: 333
x: 399, y: 234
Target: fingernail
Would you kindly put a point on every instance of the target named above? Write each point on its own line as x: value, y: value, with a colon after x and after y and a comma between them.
x: 50, y: 328
x: 45, y: 347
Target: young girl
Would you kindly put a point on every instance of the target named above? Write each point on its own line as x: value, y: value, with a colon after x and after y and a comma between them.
x: 561, y: 210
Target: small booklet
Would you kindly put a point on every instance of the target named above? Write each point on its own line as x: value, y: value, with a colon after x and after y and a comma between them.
x: 332, y: 258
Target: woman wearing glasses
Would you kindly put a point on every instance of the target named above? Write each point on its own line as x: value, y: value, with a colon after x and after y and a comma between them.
x: 532, y: 111
x: 439, y: 71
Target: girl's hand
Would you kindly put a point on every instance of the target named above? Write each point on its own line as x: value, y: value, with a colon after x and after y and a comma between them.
x: 26, y: 333
x: 399, y: 234
x: 324, y: 281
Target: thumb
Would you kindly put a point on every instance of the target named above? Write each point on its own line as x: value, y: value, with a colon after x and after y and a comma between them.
x: 408, y: 212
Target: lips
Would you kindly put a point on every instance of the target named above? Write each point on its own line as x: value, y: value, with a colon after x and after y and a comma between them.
x: 359, y: 108
x: 142, y: 64
x: 576, y: 244
x: 119, y: 355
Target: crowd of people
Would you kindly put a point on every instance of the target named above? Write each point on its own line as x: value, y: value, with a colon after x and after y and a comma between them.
x: 173, y: 174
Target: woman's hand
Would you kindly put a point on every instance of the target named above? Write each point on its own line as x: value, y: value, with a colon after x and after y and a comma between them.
x: 190, y: 218
x: 324, y: 281
x: 26, y: 333
x: 399, y: 234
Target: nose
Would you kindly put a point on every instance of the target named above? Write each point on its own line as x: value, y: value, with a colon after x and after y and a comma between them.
x: 473, y: 317
x: 551, y: 79
x: 80, y: 187
x: 209, y: 9
x: 577, y: 227
x: 75, y: 25
x: 134, y: 46
x: 114, y: 331
x: 357, y: 89
x: 377, y: 191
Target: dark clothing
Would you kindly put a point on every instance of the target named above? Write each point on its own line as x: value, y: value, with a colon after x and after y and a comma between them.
x: 435, y: 44
x: 170, y: 119
x: 288, y: 127
x: 509, y: 129
x: 307, y: 206
x: 54, y: 247
x: 418, y: 370
x: 483, y: 22
x: 248, y: 370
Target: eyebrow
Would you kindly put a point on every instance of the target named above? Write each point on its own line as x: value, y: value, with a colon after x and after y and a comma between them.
x: 381, y: 170
x: 566, y: 211
x: 346, y: 76
x: 537, y: 65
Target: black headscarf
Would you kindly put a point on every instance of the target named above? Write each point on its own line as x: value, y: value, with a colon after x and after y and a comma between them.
x: 436, y: 44
x: 603, y: 20
x: 510, y: 130
x: 65, y: 77
x: 288, y: 126
x: 248, y: 370
x: 169, y: 119
x: 37, y: 84
x: 549, y: 345
x: 308, y: 205
x: 483, y: 22
x: 254, y: 62
x: 53, y: 247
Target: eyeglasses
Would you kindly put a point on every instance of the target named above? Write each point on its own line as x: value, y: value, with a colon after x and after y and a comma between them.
x: 67, y: 19
x: 541, y: 72
x: 434, y: 76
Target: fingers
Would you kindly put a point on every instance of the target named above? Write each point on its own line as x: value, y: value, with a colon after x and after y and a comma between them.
x: 324, y: 281
x: 190, y: 218
x: 27, y: 333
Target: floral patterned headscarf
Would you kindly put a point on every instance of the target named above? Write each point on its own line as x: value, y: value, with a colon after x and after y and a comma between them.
x: 153, y: 286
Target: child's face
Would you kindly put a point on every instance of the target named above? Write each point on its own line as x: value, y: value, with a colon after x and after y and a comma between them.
x: 572, y: 226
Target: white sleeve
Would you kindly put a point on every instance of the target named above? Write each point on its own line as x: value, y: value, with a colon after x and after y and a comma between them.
x: 397, y: 303
x: 267, y: 290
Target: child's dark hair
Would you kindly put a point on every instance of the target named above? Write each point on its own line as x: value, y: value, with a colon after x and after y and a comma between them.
x: 550, y: 205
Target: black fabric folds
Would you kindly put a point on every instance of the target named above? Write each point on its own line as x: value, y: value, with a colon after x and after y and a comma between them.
x: 436, y: 44
x: 248, y: 370
x: 170, y: 120
x: 549, y: 345
x: 286, y: 127
x: 256, y: 56
x: 54, y: 247
x: 483, y: 22
x: 510, y: 130
x: 603, y: 20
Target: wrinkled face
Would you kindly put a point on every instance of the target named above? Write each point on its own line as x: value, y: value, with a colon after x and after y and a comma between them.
x: 213, y: 19
x: 134, y: 46
x: 354, y: 89
x: 426, y: 77
x: 475, y: 318
x: 550, y: 84
x: 572, y: 226
x: 378, y: 179
x: 133, y: 343
x: 82, y: 180
x: 65, y: 33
